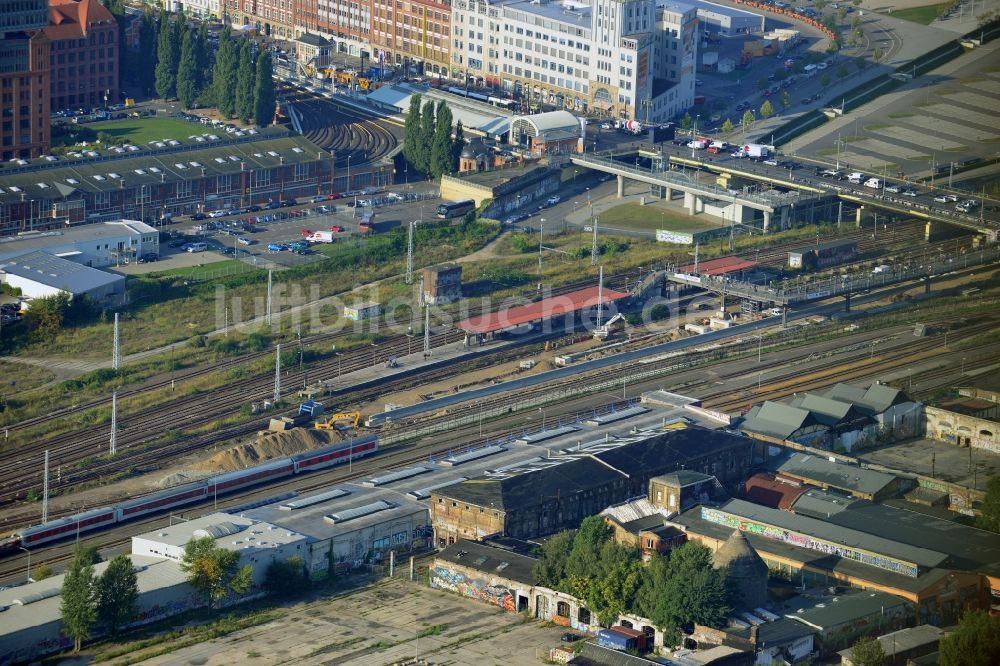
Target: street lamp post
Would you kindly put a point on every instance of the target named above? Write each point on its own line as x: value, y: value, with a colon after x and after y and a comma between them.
x: 541, y: 229
x: 29, y: 562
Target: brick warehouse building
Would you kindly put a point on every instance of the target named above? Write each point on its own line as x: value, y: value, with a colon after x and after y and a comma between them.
x: 24, y: 80
x: 556, y: 493
x: 83, y: 54
x: 192, y: 176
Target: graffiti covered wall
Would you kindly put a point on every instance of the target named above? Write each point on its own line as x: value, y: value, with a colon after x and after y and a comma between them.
x: 498, y: 592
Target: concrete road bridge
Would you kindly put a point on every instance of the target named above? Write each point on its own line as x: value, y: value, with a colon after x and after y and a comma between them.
x: 803, y: 193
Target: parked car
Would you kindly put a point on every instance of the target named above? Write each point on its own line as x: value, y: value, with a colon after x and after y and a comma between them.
x: 276, y: 247
x: 243, y: 240
x: 553, y: 200
x: 271, y: 205
x: 198, y: 216
x: 148, y: 257
x: 217, y: 213
x: 253, y: 209
x: 177, y: 243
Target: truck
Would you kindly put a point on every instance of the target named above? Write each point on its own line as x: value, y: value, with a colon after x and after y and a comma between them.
x: 321, y: 237
x: 700, y: 143
x: 756, y: 150
x: 633, y: 126
x: 621, y: 638
x: 717, y: 146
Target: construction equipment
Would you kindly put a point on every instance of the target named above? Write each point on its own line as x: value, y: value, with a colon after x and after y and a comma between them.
x: 354, y: 418
x: 604, y: 332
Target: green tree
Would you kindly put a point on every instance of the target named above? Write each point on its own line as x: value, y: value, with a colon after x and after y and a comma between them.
x: 975, y: 642
x: 555, y: 552
x: 202, y: 56
x: 748, y: 119
x: 877, y: 54
x: 683, y: 589
x: 263, y: 93
x: 213, y: 571
x: 117, y: 9
x: 820, y: 5
x: 441, y: 145
x: 117, y: 590
x: 868, y: 652
x: 426, y: 137
x: 762, y: 84
x: 77, y: 609
x: 47, y: 315
x: 842, y: 71
x: 286, y: 577
x: 727, y: 127
x: 687, y: 122
x: 457, y: 145
x: 245, y: 80
x: 187, y: 71
x: 860, y: 63
x: 412, y: 147
x: 989, y: 515
x: 146, y: 61
x: 786, y: 100
x: 824, y: 80
x: 167, y: 52
x: 841, y: 14
x: 224, y: 75
x: 766, y: 109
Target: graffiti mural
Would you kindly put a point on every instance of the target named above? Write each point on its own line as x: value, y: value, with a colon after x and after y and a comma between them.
x: 474, y: 588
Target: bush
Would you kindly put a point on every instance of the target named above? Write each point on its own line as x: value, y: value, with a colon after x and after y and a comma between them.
x: 523, y: 243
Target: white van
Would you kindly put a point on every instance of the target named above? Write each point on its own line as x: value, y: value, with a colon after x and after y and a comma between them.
x: 855, y: 177
x: 874, y: 183
x: 196, y: 247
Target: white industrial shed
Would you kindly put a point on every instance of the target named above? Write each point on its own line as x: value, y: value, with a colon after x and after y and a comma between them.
x: 724, y: 20
x: 38, y: 274
x: 104, y: 244
x: 491, y: 120
x: 29, y: 622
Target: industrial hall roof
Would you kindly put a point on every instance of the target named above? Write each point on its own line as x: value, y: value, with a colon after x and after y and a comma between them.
x: 543, y: 309
x: 874, y: 400
x: 821, y: 471
x: 644, y: 455
x: 172, y: 160
x: 775, y: 419
x: 491, y: 560
x: 58, y: 273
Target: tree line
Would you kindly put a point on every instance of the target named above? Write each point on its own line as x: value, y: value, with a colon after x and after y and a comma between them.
x: 109, y: 601
x: 238, y: 81
x: 428, y: 143
x: 672, y: 591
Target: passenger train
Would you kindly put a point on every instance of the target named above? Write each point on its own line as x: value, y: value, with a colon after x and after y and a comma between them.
x: 188, y: 493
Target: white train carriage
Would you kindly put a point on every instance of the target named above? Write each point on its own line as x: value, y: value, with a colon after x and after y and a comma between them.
x: 160, y: 501
x: 68, y: 526
x: 336, y: 454
x: 225, y: 483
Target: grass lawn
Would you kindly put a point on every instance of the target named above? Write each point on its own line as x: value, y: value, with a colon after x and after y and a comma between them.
x: 649, y: 218
x: 923, y: 15
x: 19, y: 377
x: 144, y: 130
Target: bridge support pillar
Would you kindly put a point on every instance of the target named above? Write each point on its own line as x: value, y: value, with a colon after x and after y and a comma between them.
x: 621, y: 186
x: 927, y: 284
x: 857, y: 216
x: 767, y: 221
x: 847, y: 302
x: 669, y: 193
x: 784, y: 316
x: 691, y: 203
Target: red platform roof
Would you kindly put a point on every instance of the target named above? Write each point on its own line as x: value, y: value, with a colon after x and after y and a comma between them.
x: 719, y: 266
x: 543, y: 309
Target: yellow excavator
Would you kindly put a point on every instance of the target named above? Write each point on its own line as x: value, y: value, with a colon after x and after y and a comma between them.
x: 351, y: 418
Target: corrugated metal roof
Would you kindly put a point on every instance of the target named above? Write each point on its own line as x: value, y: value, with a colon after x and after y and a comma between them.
x: 719, y: 266
x: 834, y: 474
x: 544, y: 309
x: 58, y: 273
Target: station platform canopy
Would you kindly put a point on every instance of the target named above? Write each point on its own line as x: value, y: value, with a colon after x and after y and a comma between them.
x: 718, y: 266
x: 543, y: 309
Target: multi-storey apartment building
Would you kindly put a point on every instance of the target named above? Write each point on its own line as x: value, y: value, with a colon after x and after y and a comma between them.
x: 413, y: 34
x: 24, y: 79
x: 275, y: 18
x: 346, y: 23
x: 83, y: 38
x: 629, y: 59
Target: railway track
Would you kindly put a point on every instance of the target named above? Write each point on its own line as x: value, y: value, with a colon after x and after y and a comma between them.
x: 353, y: 138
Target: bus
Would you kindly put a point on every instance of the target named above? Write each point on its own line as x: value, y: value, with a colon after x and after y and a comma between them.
x: 455, y: 208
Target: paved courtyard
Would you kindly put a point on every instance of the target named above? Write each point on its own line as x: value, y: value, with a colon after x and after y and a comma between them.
x: 940, y: 460
x: 379, y: 625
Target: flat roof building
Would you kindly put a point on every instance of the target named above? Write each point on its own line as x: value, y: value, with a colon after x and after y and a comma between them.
x: 724, y: 20
x: 547, y: 308
x: 97, y: 245
x: 39, y: 275
x: 854, y: 480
